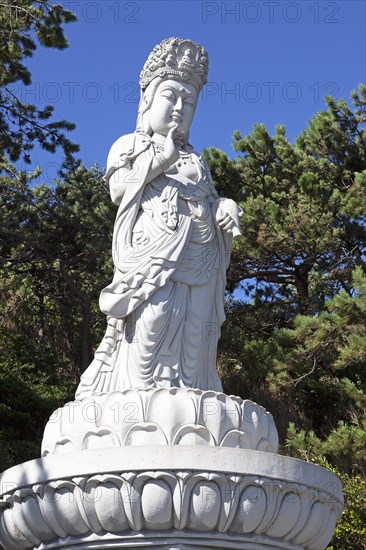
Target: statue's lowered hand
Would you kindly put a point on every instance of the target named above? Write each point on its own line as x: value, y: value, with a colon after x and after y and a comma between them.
x: 228, y: 215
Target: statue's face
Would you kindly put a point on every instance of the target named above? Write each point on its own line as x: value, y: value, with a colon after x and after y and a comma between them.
x: 174, y: 104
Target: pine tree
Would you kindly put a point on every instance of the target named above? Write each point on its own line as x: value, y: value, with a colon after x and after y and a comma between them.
x: 23, y: 23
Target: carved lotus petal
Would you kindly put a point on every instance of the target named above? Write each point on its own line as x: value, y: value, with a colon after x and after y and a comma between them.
x: 315, y: 524
x: 191, y: 434
x: 48, y: 442
x: 255, y: 420
x: 19, y: 521
x: 109, y: 507
x: 264, y: 445
x: 157, y: 505
x: 65, y: 445
x: 205, y: 506
x: 220, y: 413
x: 171, y: 408
x: 90, y: 496
x: 10, y: 531
x: 251, y: 509
x: 236, y: 439
x: 85, y: 414
x: 287, y: 516
x: 324, y: 538
x: 146, y: 433
x: 67, y: 511
x: 100, y: 437
x: 272, y: 434
x: 47, y: 498
x: 34, y: 519
x: 121, y: 411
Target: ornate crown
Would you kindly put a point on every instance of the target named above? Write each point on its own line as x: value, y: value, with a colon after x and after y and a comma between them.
x: 179, y: 58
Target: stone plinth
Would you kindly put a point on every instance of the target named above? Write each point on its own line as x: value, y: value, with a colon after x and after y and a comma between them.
x: 168, y: 497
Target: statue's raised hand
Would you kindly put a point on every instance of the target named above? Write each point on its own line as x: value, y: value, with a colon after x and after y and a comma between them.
x: 171, y: 152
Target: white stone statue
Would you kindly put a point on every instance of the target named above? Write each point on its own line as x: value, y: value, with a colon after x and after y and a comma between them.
x: 171, y: 243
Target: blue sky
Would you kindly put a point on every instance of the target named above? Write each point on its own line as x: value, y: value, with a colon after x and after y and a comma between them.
x: 271, y: 62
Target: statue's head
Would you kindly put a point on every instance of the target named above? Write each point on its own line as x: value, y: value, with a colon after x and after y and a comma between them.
x: 170, y: 82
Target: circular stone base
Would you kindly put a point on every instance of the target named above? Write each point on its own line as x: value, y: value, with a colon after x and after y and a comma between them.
x: 168, y: 497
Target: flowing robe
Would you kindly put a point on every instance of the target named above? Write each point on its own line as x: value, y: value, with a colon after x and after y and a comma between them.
x: 165, y: 305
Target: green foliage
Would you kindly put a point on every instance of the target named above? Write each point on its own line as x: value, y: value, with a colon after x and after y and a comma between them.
x: 303, y: 203
x: 318, y: 358
x: 22, y: 24
x: 54, y: 260
x: 344, y: 447
x: 350, y: 532
x: 32, y: 387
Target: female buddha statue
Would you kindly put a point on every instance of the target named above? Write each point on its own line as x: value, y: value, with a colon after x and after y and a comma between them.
x: 171, y: 243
